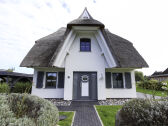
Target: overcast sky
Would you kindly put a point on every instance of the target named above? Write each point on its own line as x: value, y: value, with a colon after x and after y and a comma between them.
x: 143, y: 22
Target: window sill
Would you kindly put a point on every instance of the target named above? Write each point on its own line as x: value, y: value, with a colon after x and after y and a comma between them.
x: 50, y: 88
x: 118, y: 88
x: 85, y: 51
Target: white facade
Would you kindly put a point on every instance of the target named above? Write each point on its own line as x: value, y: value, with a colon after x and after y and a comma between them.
x: 84, y: 61
x: 70, y: 59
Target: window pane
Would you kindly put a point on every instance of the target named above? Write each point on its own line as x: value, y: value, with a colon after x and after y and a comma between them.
x: 85, y: 44
x: 51, y: 80
x: 117, y: 80
x: 87, y: 48
x: 82, y: 43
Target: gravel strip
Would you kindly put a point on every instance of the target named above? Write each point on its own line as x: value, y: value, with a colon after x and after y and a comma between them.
x: 59, y: 102
x: 113, y: 101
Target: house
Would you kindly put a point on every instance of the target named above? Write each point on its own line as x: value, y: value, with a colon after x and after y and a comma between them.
x: 160, y: 76
x: 12, y: 78
x: 83, y: 61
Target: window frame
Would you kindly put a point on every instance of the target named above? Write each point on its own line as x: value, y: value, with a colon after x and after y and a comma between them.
x: 84, y: 42
x: 49, y: 87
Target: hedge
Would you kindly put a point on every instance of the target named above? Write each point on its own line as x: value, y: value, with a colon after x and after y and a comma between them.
x: 151, y: 84
x: 4, y: 88
x: 22, y: 87
x: 27, y: 110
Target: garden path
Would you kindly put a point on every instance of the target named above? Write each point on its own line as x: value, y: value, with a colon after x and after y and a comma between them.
x: 85, y: 113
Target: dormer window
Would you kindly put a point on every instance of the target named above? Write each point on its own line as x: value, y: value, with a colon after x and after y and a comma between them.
x: 85, y: 45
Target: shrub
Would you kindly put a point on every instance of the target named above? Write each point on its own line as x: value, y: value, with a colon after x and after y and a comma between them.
x: 150, y: 84
x: 27, y: 110
x: 22, y: 87
x: 141, y: 112
x: 165, y: 86
x: 4, y: 88
x: 139, y: 76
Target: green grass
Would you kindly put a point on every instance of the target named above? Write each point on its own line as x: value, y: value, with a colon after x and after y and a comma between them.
x: 147, y: 91
x: 68, y: 120
x: 108, y: 113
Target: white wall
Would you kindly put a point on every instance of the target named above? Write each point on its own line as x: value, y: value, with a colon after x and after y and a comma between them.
x: 84, y: 61
x: 46, y: 92
x: 124, y: 92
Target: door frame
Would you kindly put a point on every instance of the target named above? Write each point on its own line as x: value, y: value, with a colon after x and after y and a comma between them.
x: 85, y: 98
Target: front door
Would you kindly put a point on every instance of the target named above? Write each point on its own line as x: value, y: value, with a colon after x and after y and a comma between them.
x: 85, y: 86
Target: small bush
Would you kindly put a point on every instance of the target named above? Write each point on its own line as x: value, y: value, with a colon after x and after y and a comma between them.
x: 141, y: 112
x: 4, y: 88
x: 27, y: 110
x: 22, y: 87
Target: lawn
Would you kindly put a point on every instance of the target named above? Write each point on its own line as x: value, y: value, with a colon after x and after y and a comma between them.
x: 68, y: 120
x: 108, y: 113
x: 147, y: 91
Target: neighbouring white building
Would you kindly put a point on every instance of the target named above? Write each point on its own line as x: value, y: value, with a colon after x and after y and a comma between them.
x: 84, y: 61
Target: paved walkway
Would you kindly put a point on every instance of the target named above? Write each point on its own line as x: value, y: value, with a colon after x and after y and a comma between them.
x: 142, y: 95
x: 85, y: 113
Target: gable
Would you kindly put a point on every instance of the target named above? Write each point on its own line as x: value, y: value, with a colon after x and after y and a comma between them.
x: 85, y: 60
x: 83, y: 32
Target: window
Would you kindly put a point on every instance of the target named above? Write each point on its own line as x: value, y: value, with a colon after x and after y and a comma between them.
x: 117, y: 80
x: 51, y: 80
x: 55, y: 79
x: 85, y: 44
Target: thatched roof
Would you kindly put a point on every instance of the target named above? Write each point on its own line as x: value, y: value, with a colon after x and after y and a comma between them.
x: 41, y: 54
x: 85, y: 21
x: 166, y: 71
x: 157, y: 73
x: 124, y: 52
x: 160, y: 73
x: 45, y: 50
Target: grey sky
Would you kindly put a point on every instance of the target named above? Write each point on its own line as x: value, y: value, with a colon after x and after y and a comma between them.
x: 143, y: 22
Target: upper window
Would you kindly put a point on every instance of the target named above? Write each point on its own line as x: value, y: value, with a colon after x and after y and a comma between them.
x: 51, y: 80
x: 118, y: 80
x: 85, y: 44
